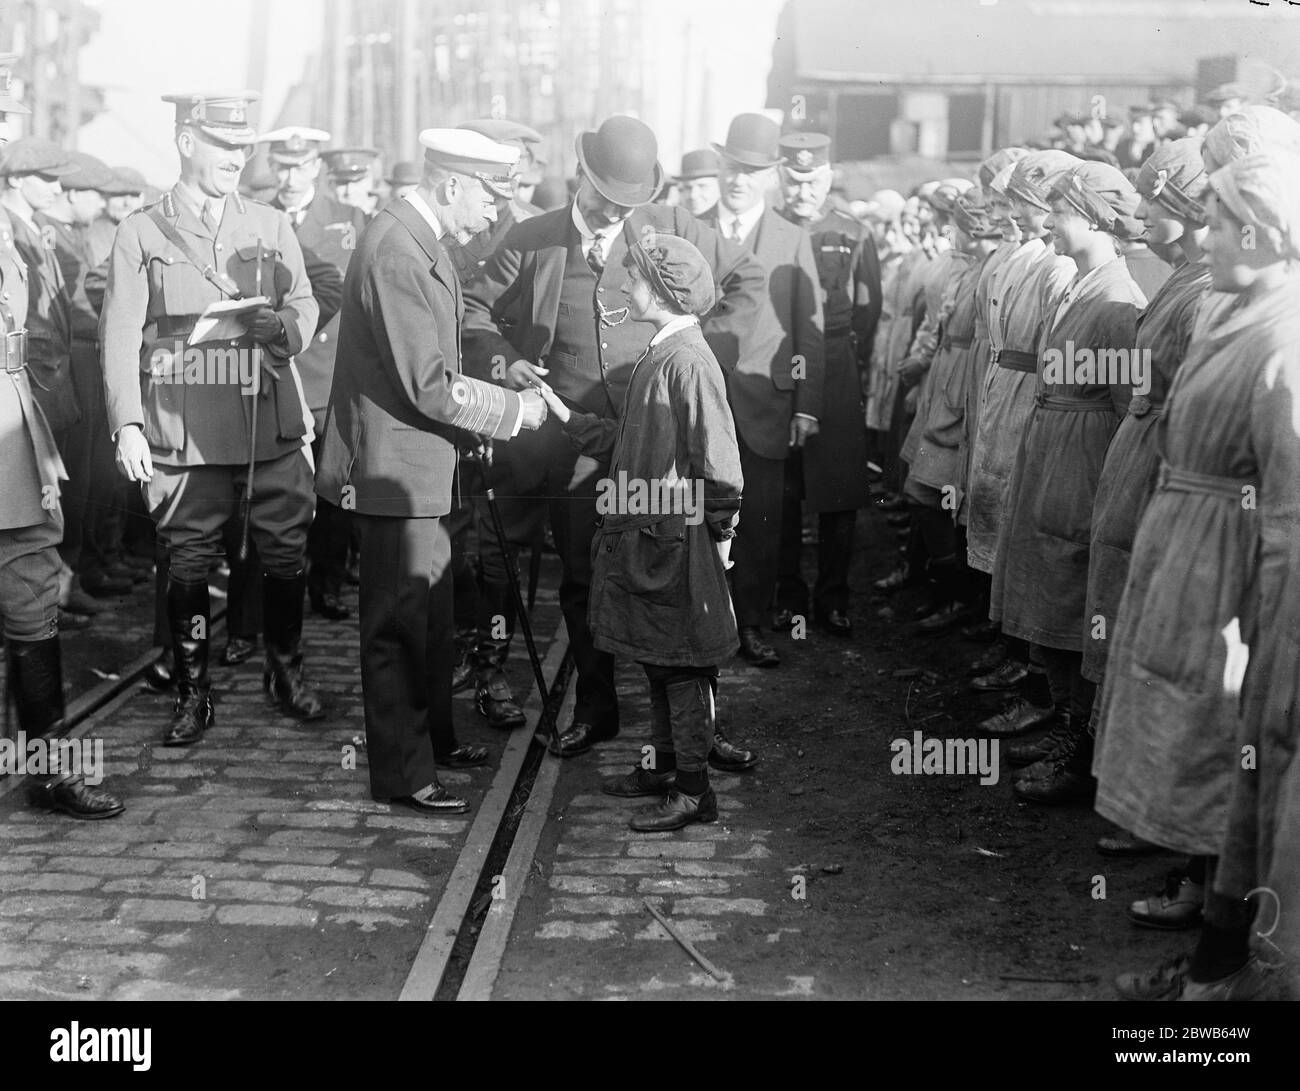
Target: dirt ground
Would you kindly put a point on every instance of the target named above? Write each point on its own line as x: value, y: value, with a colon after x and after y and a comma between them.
x: 917, y: 887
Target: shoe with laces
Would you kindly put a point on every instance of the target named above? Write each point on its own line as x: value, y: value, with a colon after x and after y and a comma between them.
x: 1176, y: 907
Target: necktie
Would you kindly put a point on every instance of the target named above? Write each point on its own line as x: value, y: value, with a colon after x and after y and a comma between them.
x: 595, y: 256
x: 736, y: 236
x: 209, y: 220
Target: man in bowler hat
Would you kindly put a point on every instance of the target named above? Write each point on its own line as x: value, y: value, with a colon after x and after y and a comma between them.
x: 776, y: 393
x: 548, y: 306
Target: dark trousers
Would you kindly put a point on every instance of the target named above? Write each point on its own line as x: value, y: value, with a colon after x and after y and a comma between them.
x: 327, y: 544
x: 834, y: 550
x: 407, y: 650
x: 77, y: 446
x: 244, y: 591
x: 92, y: 448
x: 484, y: 602
x: 192, y: 504
x: 1071, y: 692
x: 682, y: 714
x: 542, y: 468
x: 756, y: 549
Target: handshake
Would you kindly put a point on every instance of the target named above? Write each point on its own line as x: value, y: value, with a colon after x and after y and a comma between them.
x: 535, y: 395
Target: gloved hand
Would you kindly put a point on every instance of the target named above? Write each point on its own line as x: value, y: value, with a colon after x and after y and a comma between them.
x: 264, y: 326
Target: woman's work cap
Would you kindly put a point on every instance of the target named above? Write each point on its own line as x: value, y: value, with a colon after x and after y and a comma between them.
x: 677, y: 271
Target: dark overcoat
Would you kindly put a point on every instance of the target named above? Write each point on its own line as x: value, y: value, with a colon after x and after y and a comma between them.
x: 398, y: 395
x: 658, y: 590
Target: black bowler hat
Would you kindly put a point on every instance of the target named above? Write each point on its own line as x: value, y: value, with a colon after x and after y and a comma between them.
x: 621, y: 159
x: 700, y: 163
x: 752, y: 141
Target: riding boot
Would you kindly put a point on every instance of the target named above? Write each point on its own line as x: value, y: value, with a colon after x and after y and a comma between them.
x: 189, y: 617
x: 282, y: 629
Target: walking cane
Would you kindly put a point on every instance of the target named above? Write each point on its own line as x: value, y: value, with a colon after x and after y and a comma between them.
x: 246, y: 504
x: 512, y: 575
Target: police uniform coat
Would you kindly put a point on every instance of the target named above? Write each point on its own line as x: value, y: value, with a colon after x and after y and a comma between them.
x: 658, y: 589
x: 835, y: 459
x: 330, y: 230
x: 153, y: 298
x: 32, y: 466
x: 398, y: 395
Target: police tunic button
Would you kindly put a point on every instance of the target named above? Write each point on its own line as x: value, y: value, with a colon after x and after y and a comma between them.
x: 604, y: 345
x: 323, y: 338
x: 218, y: 246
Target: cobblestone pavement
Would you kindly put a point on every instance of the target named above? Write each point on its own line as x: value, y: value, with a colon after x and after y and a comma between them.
x: 253, y: 864
x: 256, y: 865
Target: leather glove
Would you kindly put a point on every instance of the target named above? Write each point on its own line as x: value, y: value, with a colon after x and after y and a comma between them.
x: 264, y: 326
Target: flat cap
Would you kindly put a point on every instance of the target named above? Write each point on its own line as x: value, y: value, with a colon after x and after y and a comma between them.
x: 221, y: 115
x: 9, y: 104
x: 35, y: 155
x: 677, y: 271
x: 349, y: 164
x: 293, y: 145
x: 125, y: 182
x: 464, y: 151
x: 87, y: 173
x: 805, y: 153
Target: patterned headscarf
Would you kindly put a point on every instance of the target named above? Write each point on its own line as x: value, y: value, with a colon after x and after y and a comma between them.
x: 1032, y: 177
x: 1102, y: 194
x: 1175, y: 176
x: 998, y: 162
x: 1252, y: 129
x: 1263, y: 191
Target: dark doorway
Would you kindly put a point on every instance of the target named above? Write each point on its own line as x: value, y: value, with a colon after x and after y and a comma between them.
x: 862, y: 124
x: 966, y: 122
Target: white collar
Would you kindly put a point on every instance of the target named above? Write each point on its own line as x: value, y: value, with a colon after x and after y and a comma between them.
x: 584, y: 228
x: 422, y: 207
x: 681, y: 322
x: 747, y: 220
